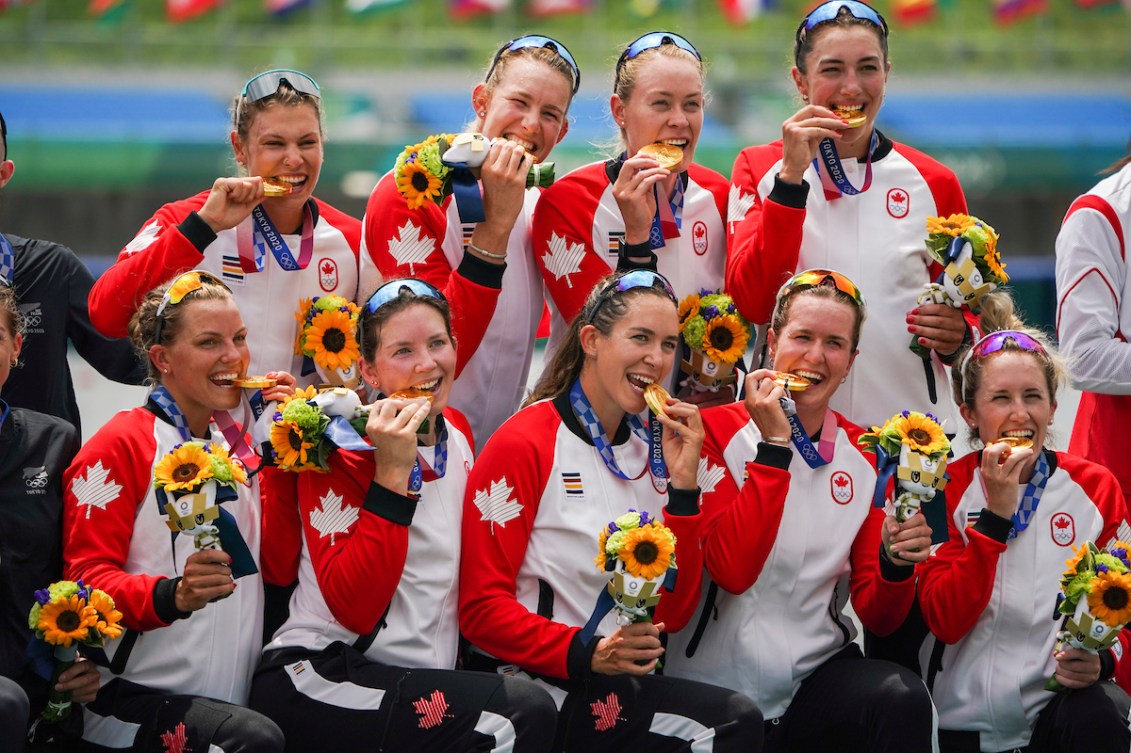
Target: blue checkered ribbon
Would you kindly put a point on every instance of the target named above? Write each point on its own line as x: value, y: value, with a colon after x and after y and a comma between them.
x: 584, y: 410
x: 7, y: 261
x: 165, y: 402
x: 439, y: 459
x: 1032, y: 496
x: 668, y: 221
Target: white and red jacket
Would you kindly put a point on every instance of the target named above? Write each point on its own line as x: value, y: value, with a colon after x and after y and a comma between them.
x: 369, y: 554
x: 877, y: 238
x: 578, y: 228
x: 536, y: 501
x: 115, y: 538
x: 994, y: 603
x: 1093, y: 282
x: 429, y: 244
x: 787, y: 544
x: 176, y: 240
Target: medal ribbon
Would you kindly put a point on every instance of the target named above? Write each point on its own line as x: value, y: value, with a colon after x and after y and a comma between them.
x: 1031, y: 498
x: 583, y: 409
x: 668, y: 220
x: 833, y: 179
x: 421, y: 471
x: 814, y: 456
x: 7, y: 261
x: 263, y: 234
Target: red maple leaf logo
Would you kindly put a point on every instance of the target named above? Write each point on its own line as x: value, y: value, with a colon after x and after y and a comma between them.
x: 176, y: 739
x: 898, y: 198
x: 1061, y: 523
x: 432, y: 710
x: 841, y: 481
x: 327, y: 268
x: 607, y: 712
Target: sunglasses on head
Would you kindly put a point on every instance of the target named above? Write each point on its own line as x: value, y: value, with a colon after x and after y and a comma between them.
x: 267, y: 84
x: 393, y: 290
x: 812, y: 278
x: 830, y: 10
x: 651, y: 41
x: 999, y: 340
x: 537, y: 41
x: 176, y: 292
x: 638, y: 278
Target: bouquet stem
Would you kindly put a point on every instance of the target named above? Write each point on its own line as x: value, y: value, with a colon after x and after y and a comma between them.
x: 59, y: 701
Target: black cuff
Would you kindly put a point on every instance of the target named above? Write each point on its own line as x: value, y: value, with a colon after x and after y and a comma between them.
x: 632, y: 256
x: 967, y: 341
x: 579, y: 660
x: 1107, y: 664
x: 683, y: 501
x: 892, y: 572
x: 197, y: 231
x: 993, y: 525
x: 789, y: 194
x: 482, y: 272
x: 387, y: 504
x: 165, y: 601
x: 774, y: 455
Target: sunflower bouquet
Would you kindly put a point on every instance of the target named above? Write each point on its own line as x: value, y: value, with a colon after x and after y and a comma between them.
x: 967, y: 248
x: 639, y: 551
x: 191, y: 481
x: 309, y: 424
x: 716, y: 335
x: 447, y: 163
x: 913, y: 447
x: 1095, y: 599
x: 65, y: 615
x: 327, y: 340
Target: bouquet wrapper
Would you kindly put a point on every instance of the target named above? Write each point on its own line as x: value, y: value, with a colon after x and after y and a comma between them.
x: 465, y: 155
x: 59, y: 701
x: 633, y: 596
x: 348, y: 377
x: 960, y: 284
x: 918, y: 478
x: 704, y: 374
x: 1083, y: 630
x: 193, y: 514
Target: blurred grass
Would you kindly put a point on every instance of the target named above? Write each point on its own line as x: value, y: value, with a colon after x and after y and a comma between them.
x: 325, y: 38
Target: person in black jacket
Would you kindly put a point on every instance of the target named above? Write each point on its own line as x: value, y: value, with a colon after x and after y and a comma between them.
x: 51, y: 284
x: 35, y: 449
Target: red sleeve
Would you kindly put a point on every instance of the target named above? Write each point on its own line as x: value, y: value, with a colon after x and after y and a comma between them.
x: 881, y: 604
x: 763, y: 244
x: 405, y: 242
x: 358, y: 555
x: 157, y: 253
x: 741, y: 523
x: 563, y: 238
x: 677, y: 607
x: 508, y: 477
x: 281, y: 539
x: 957, y: 580
x: 108, y: 480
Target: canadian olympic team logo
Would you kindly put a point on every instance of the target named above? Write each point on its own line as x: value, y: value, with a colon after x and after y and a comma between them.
x: 1063, y: 529
x: 841, y: 487
x: 328, y: 274
x: 699, y: 237
x: 899, y: 203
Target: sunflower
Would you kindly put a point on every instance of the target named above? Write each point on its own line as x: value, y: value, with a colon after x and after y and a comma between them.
x: 417, y: 185
x: 226, y: 468
x: 1073, y: 562
x: 954, y: 225
x: 647, y: 551
x: 923, y: 434
x: 689, y: 306
x: 290, y: 446
x: 108, y: 619
x: 300, y: 316
x: 601, y: 558
x: 993, y: 261
x: 1110, y: 598
x: 330, y: 339
x: 725, y: 340
x: 65, y: 620
x: 185, y: 467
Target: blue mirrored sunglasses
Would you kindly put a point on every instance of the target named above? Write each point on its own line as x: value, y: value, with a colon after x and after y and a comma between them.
x: 391, y: 291
x: 830, y: 10
x: 266, y: 84
x: 535, y: 40
x: 651, y: 41
x: 637, y: 278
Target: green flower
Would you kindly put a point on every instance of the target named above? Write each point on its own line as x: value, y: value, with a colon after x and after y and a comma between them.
x: 613, y: 545
x: 695, y: 331
x: 221, y: 471
x: 33, y: 617
x: 329, y: 303
x: 62, y: 589
x: 1077, y: 588
x: 306, y: 416
x: 429, y: 159
x: 628, y: 521
x: 1113, y: 563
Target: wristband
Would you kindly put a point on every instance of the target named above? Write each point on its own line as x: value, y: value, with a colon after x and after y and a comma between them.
x: 485, y: 252
x: 780, y: 441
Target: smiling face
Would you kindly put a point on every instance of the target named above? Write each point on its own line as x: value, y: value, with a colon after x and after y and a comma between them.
x: 1012, y: 399
x: 639, y: 349
x: 208, y: 350
x: 664, y: 103
x: 816, y: 342
x: 414, y: 350
x: 846, y: 69
x: 284, y: 142
x: 528, y: 105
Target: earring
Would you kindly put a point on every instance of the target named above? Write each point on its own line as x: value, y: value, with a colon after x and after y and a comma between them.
x: 164, y: 371
x: 844, y: 379
x: 15, y: 362
x: 482, y: 113
x: 805, y: 98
